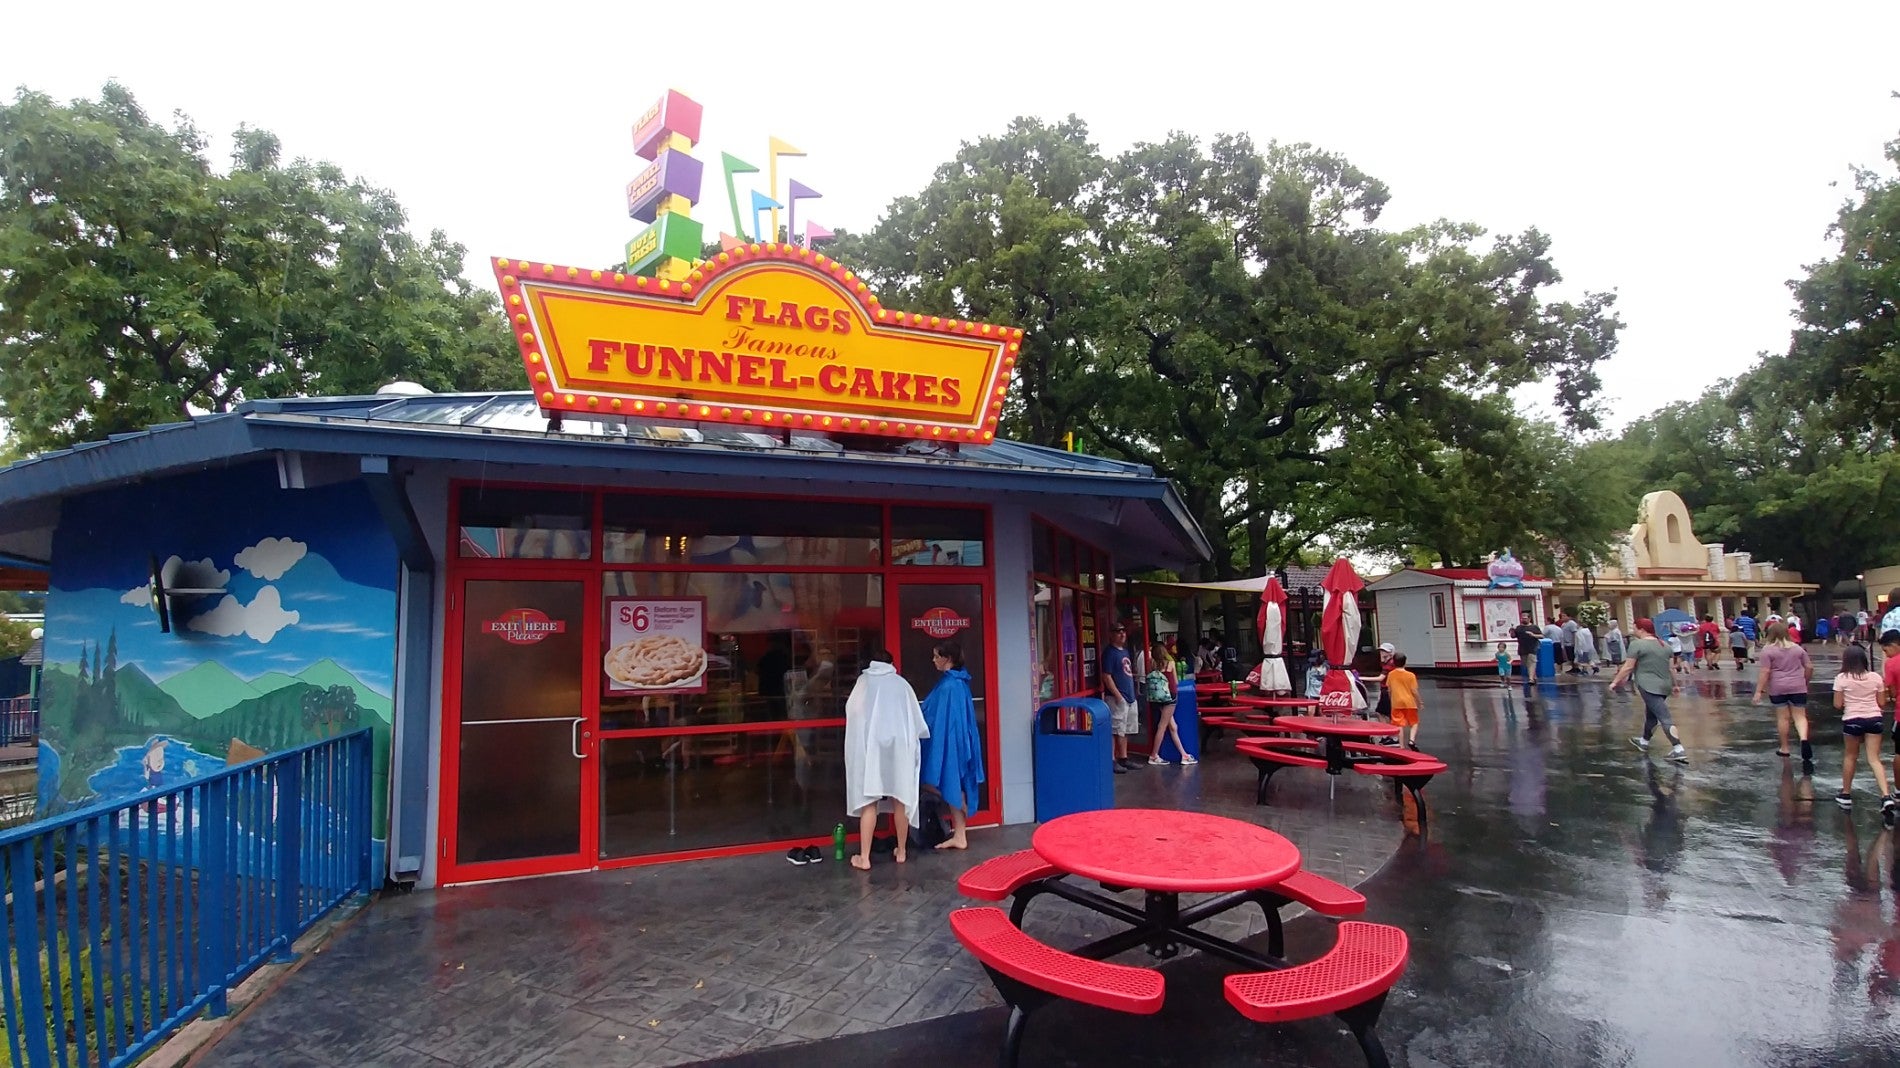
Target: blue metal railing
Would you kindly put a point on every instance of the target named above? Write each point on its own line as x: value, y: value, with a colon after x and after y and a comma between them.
x: 124, y: 920
x: 19, y: 720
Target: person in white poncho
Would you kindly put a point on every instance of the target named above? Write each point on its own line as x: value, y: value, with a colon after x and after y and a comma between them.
x: 884, y: 730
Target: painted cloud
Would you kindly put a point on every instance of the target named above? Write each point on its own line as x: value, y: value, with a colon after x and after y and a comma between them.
x: 193, y: 575
x: 271, y: 558
x: 260, y: 620
x: 137, y: 597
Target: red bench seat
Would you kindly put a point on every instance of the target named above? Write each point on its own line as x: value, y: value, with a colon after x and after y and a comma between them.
x: 1351, y: 981
x: 1271, y: 754
x: 1030, y: 974
x: 999, y: 877
x: 1321, y: 894
x: 1295, y: 752
x: 1316, y: 892
x: 1393, y: 760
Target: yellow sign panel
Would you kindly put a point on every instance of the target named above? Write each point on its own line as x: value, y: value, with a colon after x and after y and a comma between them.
x: 766, y: 335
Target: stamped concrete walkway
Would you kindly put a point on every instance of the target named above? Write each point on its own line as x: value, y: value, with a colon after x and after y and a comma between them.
x: 679, y: 963
x: 1576, y: 903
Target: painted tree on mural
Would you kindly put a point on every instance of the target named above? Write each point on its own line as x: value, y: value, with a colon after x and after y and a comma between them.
x: 1236, y: 318
x: 143, y: 284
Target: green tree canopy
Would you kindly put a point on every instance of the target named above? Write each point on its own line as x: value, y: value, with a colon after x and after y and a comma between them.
x: 1235, y: 318
x: 141, y: 284
x: 1796, y: 461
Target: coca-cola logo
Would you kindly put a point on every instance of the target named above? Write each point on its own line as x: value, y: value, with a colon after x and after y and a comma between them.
x: 524, y: 626
x: 1335, y: 693
x: 940, y: 623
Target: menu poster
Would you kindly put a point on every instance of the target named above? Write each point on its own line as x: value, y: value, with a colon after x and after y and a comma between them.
x: 655, y: 645
x: 1500, y: 618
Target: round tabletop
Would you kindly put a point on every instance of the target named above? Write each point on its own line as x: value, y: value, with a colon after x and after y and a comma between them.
x: 1166, y: 850
x: 1340, y: 728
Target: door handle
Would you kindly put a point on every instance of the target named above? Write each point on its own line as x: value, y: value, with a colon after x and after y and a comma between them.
x: 575, y: 739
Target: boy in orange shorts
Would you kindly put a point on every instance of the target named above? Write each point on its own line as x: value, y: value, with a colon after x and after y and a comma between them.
x: 1403, y: 686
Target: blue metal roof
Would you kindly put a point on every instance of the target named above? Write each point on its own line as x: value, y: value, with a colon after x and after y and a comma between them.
x: 511, y: 428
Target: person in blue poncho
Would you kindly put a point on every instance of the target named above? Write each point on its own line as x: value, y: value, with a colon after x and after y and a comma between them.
x: 952, y: 753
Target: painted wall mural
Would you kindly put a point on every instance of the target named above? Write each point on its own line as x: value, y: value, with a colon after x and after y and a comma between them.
x: 300, y: 646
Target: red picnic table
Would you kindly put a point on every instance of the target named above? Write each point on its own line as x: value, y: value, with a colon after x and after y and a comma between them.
x: 1165, y: 853
x: 1223, y: 703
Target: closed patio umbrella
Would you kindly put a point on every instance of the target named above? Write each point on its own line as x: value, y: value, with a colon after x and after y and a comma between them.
x: 1339, y: 638
x: 1272, y: 627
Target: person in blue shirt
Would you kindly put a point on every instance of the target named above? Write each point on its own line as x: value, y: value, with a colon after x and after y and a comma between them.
x: 1749, y: 630
x: 1118, y: 692
x: 951, y: 762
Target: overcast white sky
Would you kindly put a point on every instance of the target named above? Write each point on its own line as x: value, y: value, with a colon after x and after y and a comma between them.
x: 1679, y: 153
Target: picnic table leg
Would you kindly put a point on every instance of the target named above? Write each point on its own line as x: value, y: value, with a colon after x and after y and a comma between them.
x: 1164, y: 913
x: 1362, y: 1019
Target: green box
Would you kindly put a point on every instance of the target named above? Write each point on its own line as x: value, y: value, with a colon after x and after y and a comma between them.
x: 670, y: 237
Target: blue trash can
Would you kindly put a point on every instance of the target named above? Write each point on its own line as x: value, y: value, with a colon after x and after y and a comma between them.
x: 1074, y: 748
x: 1187, y: 720
x: 1546, y: 659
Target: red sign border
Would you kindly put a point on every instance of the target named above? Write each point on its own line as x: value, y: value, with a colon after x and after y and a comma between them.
x: 528, y: 332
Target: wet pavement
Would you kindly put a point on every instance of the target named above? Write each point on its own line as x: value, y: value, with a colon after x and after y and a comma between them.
x: 1575, y: 902
x: 678, y: 963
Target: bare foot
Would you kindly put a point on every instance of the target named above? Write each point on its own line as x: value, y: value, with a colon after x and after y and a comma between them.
x: 954, y: 843
x: 901, y: 857
x: 860, y: 862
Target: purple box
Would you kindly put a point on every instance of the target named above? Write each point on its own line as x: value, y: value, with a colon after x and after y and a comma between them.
x: 674, y: 174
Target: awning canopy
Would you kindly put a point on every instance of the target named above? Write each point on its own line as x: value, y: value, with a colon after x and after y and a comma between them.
x: 1142, y: 512
x: 1294, y: 577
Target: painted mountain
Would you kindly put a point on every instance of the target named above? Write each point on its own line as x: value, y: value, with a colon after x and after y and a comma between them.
x: 115, y: 706
x: 297, y: 643
x: 211, y: 688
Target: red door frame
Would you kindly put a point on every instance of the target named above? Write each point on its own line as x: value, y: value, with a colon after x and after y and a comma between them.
x: 992, y: 747
x: 592, y: 571
x: 450, y: 871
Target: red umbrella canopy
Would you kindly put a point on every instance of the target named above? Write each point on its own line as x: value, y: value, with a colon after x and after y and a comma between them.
x: 1338, y: 638
x: 1273, y: 594
x: 1339, y: 623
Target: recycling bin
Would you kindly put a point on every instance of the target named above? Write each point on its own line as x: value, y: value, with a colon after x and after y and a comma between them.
x: 1546, y: 659
x: 1074, y: 750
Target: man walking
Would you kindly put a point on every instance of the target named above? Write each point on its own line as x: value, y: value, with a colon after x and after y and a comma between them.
x: 1746, y: 623
x: 1528, y: 639
x: 1118, y: 691
x: 1649, y: 666
x: 1567, y: 642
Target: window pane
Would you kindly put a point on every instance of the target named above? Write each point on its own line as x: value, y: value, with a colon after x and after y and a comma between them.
x: 696, y: 791
x: 778, y: 646
x: 1041, y: 549
x: 1044, y: 662
x: 645, y: 529
x: 525, y: 524
x: 1065, y: 557
x: 949, y: 537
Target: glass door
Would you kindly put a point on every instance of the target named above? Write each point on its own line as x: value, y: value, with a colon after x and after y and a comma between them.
x: 519, y: 735
x: 929, y: 612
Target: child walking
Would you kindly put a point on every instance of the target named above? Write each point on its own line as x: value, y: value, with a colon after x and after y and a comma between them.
x: 1403, y: 686
x: 1678, y: 656
x: 1859, y: 694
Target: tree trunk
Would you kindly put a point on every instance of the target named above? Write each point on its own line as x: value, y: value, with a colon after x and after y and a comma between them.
x: 1257, y: 534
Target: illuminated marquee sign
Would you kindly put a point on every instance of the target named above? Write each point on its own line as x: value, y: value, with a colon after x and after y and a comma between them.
x: 766, y: 335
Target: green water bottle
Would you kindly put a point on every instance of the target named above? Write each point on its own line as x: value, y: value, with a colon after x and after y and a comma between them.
x: 837, y: 842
